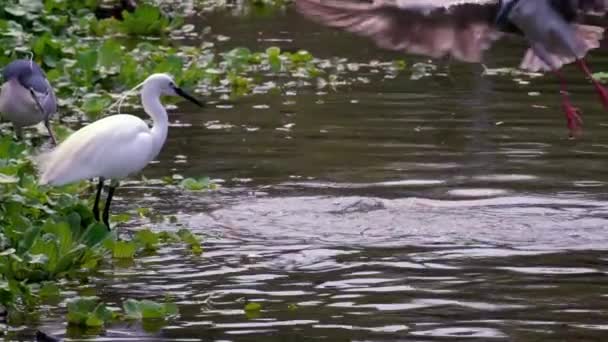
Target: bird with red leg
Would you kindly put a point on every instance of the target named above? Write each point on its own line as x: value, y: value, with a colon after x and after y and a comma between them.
x: 556, y: 31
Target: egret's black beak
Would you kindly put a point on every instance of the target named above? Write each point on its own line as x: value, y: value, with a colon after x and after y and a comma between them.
x: 179, y: 91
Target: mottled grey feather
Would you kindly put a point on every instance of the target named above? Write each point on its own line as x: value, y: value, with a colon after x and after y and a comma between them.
x: 31, y: 76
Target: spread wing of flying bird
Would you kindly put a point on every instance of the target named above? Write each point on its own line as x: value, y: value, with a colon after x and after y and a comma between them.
x: 461, y: 29
x: 557, y: 31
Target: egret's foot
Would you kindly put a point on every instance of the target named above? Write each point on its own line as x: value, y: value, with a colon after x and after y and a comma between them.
x: 573, y: 119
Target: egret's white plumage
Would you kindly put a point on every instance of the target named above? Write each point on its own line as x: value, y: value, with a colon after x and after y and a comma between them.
x: 114, y: 147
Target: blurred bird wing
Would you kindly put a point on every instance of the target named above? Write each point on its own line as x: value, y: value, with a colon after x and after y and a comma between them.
x: 115, y: 146
x: 461, y: 29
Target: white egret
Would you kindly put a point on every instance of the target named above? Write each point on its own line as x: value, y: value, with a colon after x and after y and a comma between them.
x: 113, y: 147
x: 26, y: 97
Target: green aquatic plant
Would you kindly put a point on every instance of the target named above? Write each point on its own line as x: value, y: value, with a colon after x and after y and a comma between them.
x: 146, y: 20
x: 197, y: 184
x: 88, y: 312
x: 147, y: 309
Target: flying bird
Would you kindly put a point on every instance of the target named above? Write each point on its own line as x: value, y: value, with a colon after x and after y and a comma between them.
x: 556, y: 31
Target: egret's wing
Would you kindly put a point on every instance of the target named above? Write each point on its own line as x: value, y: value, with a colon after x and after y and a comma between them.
x: 115, y: 144
x: 461, y: 29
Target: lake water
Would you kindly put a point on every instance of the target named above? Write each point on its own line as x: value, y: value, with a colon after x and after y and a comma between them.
x: 453, y: 207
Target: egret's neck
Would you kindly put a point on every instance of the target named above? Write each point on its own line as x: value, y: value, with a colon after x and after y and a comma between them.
x: 150, y: 98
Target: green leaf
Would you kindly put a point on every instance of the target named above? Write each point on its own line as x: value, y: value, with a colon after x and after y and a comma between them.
x: 194, y: 184
x: 6, y: 179
x: 132, y: 309
x: 151, y: 309
x: 80, y: 309
x: 8, y: 252
x: 601, y: 76
x: 95, y: 234
x: 95, y: 104
x: 87, y: 60
x: 49, y: 289
x: 124, y: 249
x: 253, y: 307
x: 147, y: 238
x: 192, y: 240
x: 148, y: 309
x: 253, y: 310
x: 110, y: 54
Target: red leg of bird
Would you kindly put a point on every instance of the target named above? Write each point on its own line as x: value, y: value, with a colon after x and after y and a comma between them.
x: 601, y: 91
x: 573, y: 114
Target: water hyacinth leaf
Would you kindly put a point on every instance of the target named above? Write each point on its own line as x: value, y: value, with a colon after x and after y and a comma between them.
x: 120, y: 218
x: 172, y: 64
x: 253, y: 310
x: 65, y: 261
x: 49, y: 289
x: 147, y: 239
x: 95, y: 105
x: 8, y: 252
x: 87, y: 311
x: 194, y: 184
x: 145, y: 20
x: 148, y: 309
x: 131, y: 309
x: 252, y: 306
x: 15, y: 10
x: 192, y: 240
x: 95, y: 234
x: 151, y: 309
x: 7, y: 179
x: 274, y: 58
x: 124, y: 249
x: 601, y: 76
x: 63, y: 234
x: 110, y: 54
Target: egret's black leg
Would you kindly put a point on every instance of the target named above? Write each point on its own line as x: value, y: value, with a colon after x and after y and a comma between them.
x: 106, y: 209
x: 97, y: 197
x: 47, y: 124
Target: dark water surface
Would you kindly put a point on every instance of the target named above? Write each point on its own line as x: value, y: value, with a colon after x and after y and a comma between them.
x: 446, y: 208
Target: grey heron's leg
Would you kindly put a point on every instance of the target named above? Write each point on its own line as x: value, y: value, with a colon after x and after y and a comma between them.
x: 97, y: 197
x: 573, y: 114
x: 106, y: 209
x: 47, y: 124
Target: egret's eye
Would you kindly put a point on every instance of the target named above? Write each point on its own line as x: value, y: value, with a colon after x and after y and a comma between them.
x: 172, y: 85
